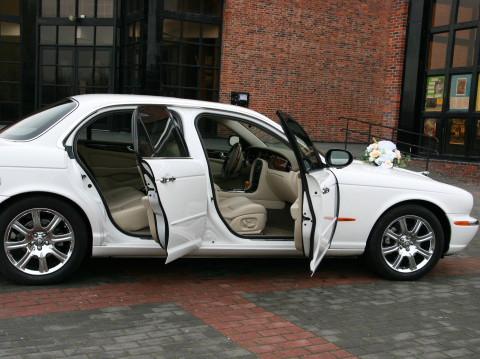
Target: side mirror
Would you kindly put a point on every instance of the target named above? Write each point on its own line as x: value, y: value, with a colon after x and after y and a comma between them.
x: 338, y: 158
x: 232, y: 140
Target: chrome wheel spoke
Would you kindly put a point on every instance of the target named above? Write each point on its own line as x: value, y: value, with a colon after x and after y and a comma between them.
x: 20, y: 228
x: 391, y: 249
x: 426, y: 254
x: 417, y: 226
x: 397, y: 261
x: 16, y: 245
x: 62, y: 238
x: 391, y: 234
x: 37, y: 223
x: 424, y: 238
x: 42, y: 264
x: 23, y: 262
x: 412, y: 264
x: 56, y: 220
x: 62, y: 257
x: 403, y: 225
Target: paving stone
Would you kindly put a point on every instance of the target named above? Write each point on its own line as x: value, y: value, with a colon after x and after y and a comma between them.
x: 117, y: 337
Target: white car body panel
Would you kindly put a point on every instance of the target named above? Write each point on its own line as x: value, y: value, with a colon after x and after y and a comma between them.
x: 366, y: 192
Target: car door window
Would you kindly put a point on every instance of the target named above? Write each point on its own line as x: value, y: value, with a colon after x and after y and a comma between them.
x: 111, y: 127
x: 308, y: 153
x: 159, y: 133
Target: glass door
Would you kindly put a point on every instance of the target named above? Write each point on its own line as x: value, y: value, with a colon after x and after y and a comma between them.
x: 75, y: 51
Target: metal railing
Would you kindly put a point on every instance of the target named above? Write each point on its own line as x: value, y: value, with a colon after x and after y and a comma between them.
x: 414, y: 147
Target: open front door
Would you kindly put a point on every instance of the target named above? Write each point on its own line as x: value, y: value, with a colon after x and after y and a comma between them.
x: 176, y: 184
x: 320, y: 193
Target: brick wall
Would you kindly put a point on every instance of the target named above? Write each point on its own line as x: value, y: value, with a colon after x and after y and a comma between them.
x: 317, y: 59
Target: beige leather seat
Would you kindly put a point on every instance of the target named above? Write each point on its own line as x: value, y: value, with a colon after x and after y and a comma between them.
x: 127, y: 208
x: 243, y: 215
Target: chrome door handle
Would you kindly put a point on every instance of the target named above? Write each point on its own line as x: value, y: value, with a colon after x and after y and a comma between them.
x: 167, y: 179
x: 325, y: 190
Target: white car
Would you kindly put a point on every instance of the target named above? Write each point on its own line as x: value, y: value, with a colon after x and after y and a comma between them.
x: 125, y: 175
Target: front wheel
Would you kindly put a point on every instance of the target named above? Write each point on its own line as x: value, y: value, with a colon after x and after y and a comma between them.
x: 406, y: 243
x: 44, y: 239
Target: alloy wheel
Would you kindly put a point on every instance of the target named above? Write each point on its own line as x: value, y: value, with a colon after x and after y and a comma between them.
x: 39, y: 241
x: 408, y: 244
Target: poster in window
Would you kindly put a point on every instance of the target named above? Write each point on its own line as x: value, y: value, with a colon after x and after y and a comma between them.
x: 457, y: 132
x: 430, y: 127
x: 434, y: 95
x: 460, y: 92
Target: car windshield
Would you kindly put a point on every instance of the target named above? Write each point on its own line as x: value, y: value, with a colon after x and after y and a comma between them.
x: 38, y: 123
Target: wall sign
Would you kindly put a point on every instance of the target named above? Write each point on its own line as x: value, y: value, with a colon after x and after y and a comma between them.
x: 460, y: 92
x: 434, y: 95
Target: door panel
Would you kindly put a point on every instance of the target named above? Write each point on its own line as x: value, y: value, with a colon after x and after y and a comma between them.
x: 176, y: 183
x: 320, y: 189
x: 323, y: 192
x: 182, y: 188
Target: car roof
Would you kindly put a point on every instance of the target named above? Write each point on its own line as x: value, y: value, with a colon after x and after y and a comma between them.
x: 101, y: 100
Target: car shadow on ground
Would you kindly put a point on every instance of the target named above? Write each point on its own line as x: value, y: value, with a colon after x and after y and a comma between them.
x: 115, y: 270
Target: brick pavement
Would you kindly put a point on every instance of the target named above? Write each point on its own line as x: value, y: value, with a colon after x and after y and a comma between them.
x: 246, y: 308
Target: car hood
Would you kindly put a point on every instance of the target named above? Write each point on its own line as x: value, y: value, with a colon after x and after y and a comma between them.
x: 364, y: 174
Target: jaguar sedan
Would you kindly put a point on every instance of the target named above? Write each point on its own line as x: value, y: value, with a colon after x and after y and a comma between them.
x: 130, y: 176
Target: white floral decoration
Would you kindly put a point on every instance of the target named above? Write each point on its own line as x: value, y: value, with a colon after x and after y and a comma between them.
x: 383, y: 154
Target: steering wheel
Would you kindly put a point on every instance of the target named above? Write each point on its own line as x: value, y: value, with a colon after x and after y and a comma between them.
x: 233, y: 163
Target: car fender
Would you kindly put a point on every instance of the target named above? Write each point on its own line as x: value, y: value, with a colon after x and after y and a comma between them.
x: 363, y: 206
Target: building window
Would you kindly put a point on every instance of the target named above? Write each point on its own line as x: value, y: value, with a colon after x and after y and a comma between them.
x: 76, y: 48
x: 190, y: 39
x: 451, y: 107
x: 10, y: 62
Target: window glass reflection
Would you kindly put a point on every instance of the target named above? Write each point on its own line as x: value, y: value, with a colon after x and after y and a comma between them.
x: 104, y: 35
x: 441, y: 12
x: 171, y: 5
x: 48, y: 35
x: 191, y: 31
x: 468, y: 10
x: 456, y: 136
x: 172, y: 29
x: 66, y: 35
x: 9, y: 51
x: 67, y: 8
x: 9, y: 31
x: 437, y: 52
x: 65, y: 56
x: 86, y: 8
x: 212, y: 7
x: 10, y: 7
x: 49, y: 8
x: 105, y: 8
x: 85, y: 35
x: 464, y: 49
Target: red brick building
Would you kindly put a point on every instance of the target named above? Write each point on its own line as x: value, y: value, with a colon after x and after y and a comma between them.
x: 319, y: 60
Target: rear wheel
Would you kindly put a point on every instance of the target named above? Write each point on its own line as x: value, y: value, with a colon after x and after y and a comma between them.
x: 44, y: 240
x: 406, y: 243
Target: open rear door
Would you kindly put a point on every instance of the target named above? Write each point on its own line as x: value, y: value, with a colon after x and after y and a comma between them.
x: 176, y: 184
x: 320, y: 193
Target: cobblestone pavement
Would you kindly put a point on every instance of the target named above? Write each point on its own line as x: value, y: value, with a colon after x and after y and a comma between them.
x: 125, y: 308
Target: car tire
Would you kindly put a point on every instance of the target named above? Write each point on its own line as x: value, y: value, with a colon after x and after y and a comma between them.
x: 43, y: 240
x: 405, y: 243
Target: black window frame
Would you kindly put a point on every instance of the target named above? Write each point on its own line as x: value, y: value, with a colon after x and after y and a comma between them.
x: 446, y: 114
